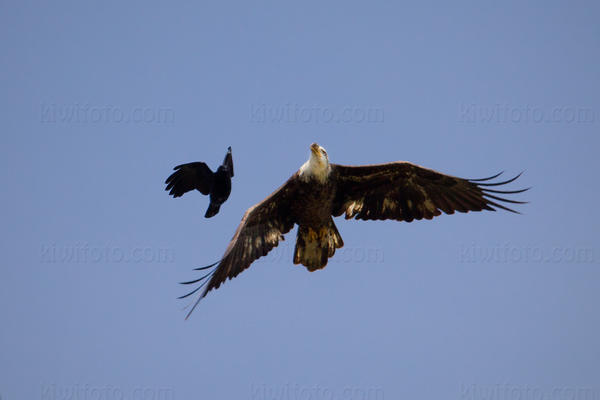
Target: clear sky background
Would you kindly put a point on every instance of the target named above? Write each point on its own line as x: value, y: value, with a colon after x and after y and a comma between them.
x: 100, y: 101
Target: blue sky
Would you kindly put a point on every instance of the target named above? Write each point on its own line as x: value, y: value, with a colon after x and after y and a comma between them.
x: 100, y: 101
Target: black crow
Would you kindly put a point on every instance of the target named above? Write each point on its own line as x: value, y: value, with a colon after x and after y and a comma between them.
x: 197, y: 175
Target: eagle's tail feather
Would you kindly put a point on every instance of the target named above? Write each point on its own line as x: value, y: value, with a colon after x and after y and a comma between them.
x: 315, y: 246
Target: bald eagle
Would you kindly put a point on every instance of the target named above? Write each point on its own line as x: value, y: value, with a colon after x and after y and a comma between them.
x: 319, y: 191
x: 197, y: 175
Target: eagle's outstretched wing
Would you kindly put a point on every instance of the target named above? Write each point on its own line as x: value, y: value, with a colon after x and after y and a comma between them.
x: 261, y: 229
x: 195, y: 175
x: 404, y: 191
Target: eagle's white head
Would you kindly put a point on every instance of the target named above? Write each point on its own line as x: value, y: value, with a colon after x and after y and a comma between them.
x: 317, y: 166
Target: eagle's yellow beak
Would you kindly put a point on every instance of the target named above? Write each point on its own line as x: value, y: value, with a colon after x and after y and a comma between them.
x: 314, y: 148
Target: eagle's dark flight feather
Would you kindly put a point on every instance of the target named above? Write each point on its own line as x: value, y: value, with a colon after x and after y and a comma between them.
x: 403, y: 191
x: 260, y: 230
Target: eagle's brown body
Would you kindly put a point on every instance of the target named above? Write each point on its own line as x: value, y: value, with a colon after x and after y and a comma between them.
x: 317, y: 236
x: 319, y: 191
x: 313, y: 202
